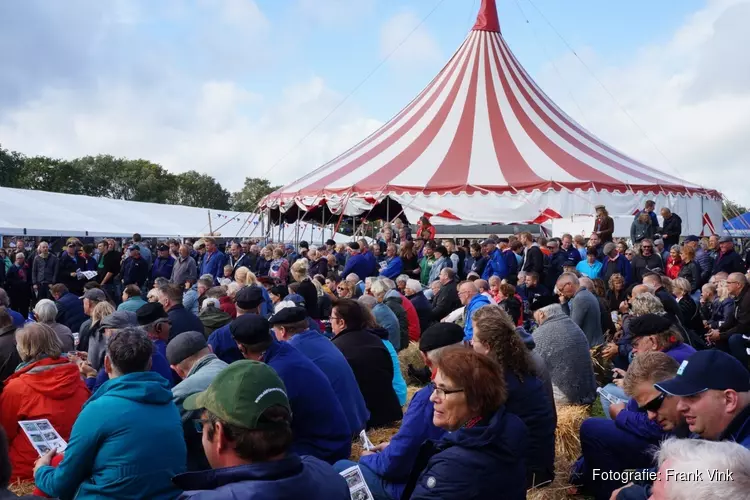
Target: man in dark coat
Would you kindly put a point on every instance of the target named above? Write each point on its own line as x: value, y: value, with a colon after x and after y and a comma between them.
x: 647, y: 261
x: 182, y: 320
x: 729, y: 336
x: 672, y: 228
x: 69, y: 308
x: 69, y: 263
x: 135, y: 268
x: 163, y: 264
x: 727, y: 260
x: 671, y: 307
x: 446, y: 301
x: 533, y: 258
x: 237, y: 258
x: 43, y: 271
x: 369, y: 358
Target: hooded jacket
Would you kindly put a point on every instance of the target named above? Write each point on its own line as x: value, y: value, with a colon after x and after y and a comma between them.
x: 289, y: 478
x: 424, y: 312
x: 476, y: 302
x: 500, y: 264
x: 373, y: 369
x: 474, y: 463
x: 127, y: 443
x: 394, y: 463
x: 48, y: 388
x: 213, y: 319
x: 70, y: 312
x: 319, y: 426
x: 332, y: 363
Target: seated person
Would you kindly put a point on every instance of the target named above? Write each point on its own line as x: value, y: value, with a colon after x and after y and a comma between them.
x: 247, y: 438
x: 386, y: 467
x: 111, y: 452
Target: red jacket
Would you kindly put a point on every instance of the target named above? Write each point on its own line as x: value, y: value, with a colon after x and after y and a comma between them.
x: 49, y: 388
x: 412, y: 318
x: 226, y: 305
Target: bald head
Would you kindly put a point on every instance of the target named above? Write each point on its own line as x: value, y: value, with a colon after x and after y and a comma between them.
x: 482, y: 285
x: 640, y: 290
x: 586, y: 283
x: 653, y: 280
x: 467, y: 291
x: 738, y: 277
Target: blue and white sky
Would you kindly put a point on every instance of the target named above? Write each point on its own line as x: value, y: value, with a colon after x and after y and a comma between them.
x: 235, y: 88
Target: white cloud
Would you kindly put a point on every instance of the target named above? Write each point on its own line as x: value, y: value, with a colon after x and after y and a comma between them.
x: 691, y: 95
x: 412, y: 48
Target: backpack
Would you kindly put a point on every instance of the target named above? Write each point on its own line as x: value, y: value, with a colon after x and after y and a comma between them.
x: 275, y: 270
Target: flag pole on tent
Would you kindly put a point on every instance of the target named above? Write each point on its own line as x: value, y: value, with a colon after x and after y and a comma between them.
x: 210, y: 225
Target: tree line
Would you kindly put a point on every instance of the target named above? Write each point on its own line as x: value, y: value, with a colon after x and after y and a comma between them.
x: 133, y: 180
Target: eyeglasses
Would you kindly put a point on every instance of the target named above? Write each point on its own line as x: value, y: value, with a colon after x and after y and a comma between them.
x: 334, y: 318
x: 653, y: 405
x: 442, y: 393
x: 733, y: 282
x: 645, y: 247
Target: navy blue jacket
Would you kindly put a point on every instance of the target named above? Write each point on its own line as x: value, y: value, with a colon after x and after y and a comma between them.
x: 213, y: 265
x: 70, y: 312
x: 473, y: 463
x: 358, y: 264
x: 134, y: 271
x: 424, y: 310
x: 66, y: 265
x: 529, y: 401
x: 263, y: 266
x: 291, y: 477
x: 572, y: 253
x: 223, y: 345
x: 162, y: 268
x: 332, y: 363
x: 738, y: 429
x: 729, y: 263
x: 397, y: 459
x: 319, y: 426
x: 183, y: 321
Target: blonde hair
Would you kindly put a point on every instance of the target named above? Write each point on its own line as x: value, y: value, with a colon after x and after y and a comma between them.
x: 240, y: 275
x: 683, y: 285
x: 37, y: 340
x: 300, y: 270
x: 101, y: 311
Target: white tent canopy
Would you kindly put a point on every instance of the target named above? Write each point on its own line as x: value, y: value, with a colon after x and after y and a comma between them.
x: 41, y: 213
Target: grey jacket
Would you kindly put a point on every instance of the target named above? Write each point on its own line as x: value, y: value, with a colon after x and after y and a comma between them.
x: 438, y: 266
x: 198, y: 379
x: 44, y: 270
x: 184, y: 270
x: 584, y: 311
x: 565, y: 351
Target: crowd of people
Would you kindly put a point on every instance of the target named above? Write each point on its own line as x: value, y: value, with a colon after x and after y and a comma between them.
x: 247, y: 371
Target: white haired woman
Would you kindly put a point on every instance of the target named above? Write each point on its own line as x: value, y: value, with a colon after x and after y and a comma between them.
x: 45, y: 385
x: 45, y: 312
x: 415, y: 293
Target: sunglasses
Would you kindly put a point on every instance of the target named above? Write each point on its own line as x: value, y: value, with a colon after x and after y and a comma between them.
x: 646, y: 246
x: 653, y: 405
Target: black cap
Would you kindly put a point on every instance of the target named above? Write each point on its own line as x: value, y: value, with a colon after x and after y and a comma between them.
x: 331, y: 242
x: 248, y: 297
x: 692, y: 237
x: 707, y: 370
x: 162, y: 248
x: 354, y: 245
x: 541, y: 301
x: 150, y: 312
x: 288, y: 315
x: 185, y: 345
x: 440, y: 335
x: 250, y: 329
x: 648, y: 324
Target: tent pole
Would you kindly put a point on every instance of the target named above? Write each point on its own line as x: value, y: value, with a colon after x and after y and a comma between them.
x: 323, y: 226
x: 354, y: 227
x: 210, y: 225
x: 387, y: 210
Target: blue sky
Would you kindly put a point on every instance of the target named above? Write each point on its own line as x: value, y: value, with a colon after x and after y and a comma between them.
x: 230, y: 87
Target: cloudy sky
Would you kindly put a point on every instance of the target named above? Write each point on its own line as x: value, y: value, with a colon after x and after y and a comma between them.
x: 239, y: 88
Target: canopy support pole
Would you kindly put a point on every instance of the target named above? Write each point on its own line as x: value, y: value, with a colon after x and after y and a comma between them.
x: 210, y: 225
x: 322, y: 226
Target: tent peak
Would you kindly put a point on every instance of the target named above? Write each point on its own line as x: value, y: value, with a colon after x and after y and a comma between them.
x: 487, y: 18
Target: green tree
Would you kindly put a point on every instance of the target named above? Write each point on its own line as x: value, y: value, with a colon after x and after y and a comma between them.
x: 730, y: 209
x: 200, y: 190
x: 248, y: 198
x: 12, y: 167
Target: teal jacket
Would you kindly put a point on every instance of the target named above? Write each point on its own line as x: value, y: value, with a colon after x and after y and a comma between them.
x: 127, y: 443
x: 132, y: 304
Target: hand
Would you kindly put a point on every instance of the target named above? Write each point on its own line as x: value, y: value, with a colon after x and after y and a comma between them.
x: 713, y: 336
x: 44, y: 460
x: 619, y: 372
x: 615, y: 409
x: 617, y: 491
x: 82, y: 355
x: 86, y: 369
x: 610, y: 351
x: 381, y: 446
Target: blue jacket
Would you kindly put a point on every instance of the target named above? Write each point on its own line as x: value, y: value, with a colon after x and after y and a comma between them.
x: 357, y: 264
x: 622, y: 266
x: 70, y: 312
x: 183, y: 321
x: 399, y: 384
x: 738, y: 429
x: 223, y: 345
x: 388, y: 320
x: 134, y: 271
x: 572, y: 253
x: 290, y: 478
x: 528, y: 400
x: 126, y: 443
x: 393, y: 268
x: 477, y: 462
x: 18, y: 319
x: 162, y: 268
x: 397, y: 459
x: 476, y: 302
x: 213, y: 265
x: 500, y: 264
x: 332, y: 363
x: 132, y: 304
x: 319, y: 426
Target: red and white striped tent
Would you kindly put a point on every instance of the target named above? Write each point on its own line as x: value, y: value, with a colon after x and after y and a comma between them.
x: 482, y: 143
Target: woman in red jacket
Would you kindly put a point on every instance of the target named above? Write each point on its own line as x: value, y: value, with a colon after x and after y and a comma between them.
x: 674, y: 262
x: 425, y: 229
x: 47, y: 385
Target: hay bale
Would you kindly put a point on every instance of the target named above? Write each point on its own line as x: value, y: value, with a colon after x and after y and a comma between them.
x: 567, y: 439
x: 410, y: 356
x: 22, y: 488
x: 377, y: 436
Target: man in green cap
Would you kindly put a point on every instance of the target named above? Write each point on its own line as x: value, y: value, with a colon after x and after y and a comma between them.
x: 247, y: 435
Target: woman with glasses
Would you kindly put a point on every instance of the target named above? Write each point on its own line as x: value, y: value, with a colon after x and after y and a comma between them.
x: 483, y: 454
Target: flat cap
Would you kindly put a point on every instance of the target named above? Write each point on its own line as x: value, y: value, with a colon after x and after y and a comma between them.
x: 648, y: 324
x: 248, y: 297
x: 150, y: 312
x: 185, y: 345
x: 288, y: 315
x: 250, y: 329
x: 440, y: 335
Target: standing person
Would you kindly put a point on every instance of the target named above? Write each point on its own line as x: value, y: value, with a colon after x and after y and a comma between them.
x: 43, y: 271
x: 185, y: 269
x: 70, y: 262
x: 615, y: 263
x: 145, y: 250
x: 69, y: 308
x: 135, y: 268
x: 213, y: 260
x: 163, y: 264
x: 425, y: 265
x: 641, y: 229
x: 237, y: 258
x: 182, y: 320
x: 569, y: 249
x: 45, y: 385
x: 248, y: 439
x: 107, y: 269
x: 425, y: 229
x: 649, y: 208
x: 672, y: 228
x: 500, y: 263
x: 110, y: 453
x: 533, y: 258
x: 18, y: 285
x: 604, y: 225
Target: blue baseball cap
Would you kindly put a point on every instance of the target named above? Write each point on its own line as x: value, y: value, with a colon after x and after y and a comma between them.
x: 705, y: 371
x: 692, y: 237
